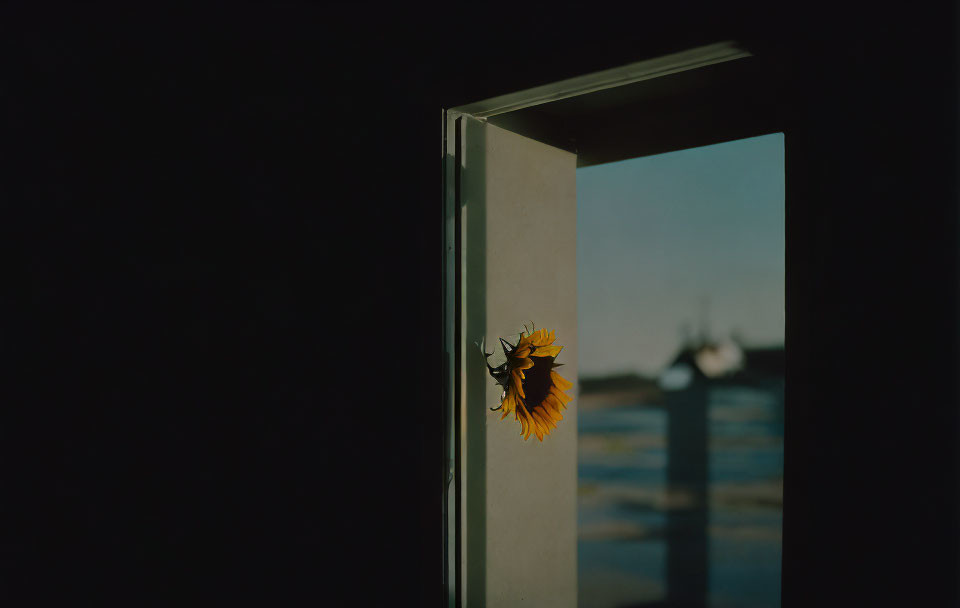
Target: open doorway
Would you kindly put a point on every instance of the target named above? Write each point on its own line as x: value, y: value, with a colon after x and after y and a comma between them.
x: 680, y: 266
x: 511, y: 228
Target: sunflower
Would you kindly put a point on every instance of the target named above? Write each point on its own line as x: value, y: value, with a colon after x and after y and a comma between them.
x: 532, y: 390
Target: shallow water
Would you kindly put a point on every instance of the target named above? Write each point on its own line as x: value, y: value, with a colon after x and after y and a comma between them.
x: 623, y: 502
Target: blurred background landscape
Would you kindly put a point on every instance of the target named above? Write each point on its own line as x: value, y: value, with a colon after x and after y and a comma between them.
x: 681, y: 309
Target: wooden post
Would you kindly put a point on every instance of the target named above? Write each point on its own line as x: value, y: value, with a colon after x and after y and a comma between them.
x: 687, y: 479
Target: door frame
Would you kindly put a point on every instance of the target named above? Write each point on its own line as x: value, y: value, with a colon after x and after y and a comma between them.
x: 452, y: 122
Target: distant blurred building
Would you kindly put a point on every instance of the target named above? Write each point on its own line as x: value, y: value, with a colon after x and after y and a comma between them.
x: 725, y: 363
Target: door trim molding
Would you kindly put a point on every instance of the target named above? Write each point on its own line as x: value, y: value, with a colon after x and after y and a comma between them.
x: 606, y: 79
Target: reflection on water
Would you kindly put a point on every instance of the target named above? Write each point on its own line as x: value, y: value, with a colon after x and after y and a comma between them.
x: 626, y: 504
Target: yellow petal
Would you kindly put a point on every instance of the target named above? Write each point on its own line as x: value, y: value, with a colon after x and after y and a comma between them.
x: 562, y: 383
x: 509, y: 403
x: 552, y: 410
x: 535, y: 415
x: 522, y: 365
x: 560, y: 404
x: 538, y: 430
x: 529, y: 421
x: 521, y: 352
x: 517, y: 385
x: 551, y: 423
x: 553, y: 402
x: 557, y: 416
x: 546, y: 418
x: 562, y: 396
x: 547, y: 351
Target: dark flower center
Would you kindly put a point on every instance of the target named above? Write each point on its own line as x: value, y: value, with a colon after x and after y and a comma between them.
x: 536, y: 381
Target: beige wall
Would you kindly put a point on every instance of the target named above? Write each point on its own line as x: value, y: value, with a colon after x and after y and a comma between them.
x: 519, y: 249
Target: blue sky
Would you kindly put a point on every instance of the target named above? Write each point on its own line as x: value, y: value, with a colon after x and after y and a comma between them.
x: 662, y: 238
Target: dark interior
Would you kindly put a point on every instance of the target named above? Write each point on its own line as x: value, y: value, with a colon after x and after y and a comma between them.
x: 224, y: 311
